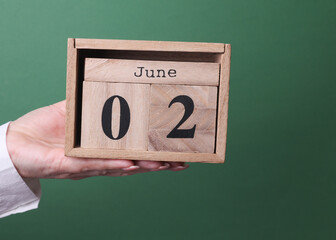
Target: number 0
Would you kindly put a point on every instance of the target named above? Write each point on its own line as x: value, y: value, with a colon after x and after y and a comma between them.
x: 125, y: 117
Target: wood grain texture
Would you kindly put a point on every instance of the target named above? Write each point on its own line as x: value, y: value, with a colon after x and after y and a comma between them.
x: 149, y: 45
x: 95, y: 94
x: 145, y: 155
x: 71, y: 86
x: 154, y: 55
x: 223, y: 103
x: 163, y: 120
x: 162, y: 72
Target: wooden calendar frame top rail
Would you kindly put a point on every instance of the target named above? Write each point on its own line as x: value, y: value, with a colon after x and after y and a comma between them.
x: 184, y: 51
x: 136, y: 45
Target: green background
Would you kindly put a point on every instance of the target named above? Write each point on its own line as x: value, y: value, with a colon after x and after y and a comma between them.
x: 279, y: 178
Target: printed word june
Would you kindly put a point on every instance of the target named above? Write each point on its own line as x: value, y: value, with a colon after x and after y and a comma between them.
x: 150, y: 73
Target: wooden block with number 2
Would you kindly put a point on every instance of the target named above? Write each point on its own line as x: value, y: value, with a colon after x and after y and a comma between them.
x: 182, y: 118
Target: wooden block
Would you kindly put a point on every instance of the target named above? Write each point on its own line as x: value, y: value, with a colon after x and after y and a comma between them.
x: 115, y: 115
x: 182, y: 118
x: 164, y: 72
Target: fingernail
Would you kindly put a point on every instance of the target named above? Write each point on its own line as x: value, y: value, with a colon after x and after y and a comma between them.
x: 164, y: 166
x: 178, y: 168
x: 133, y: 167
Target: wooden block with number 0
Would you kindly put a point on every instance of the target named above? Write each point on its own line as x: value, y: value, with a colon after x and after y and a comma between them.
x: 112, y: 110
x: 142, y: 100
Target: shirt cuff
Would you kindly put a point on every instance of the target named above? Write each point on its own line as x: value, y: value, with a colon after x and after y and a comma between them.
x: 17, y: 194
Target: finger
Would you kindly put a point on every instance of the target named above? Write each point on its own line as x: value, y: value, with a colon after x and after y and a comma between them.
x: 95, y: 173
x: 77, y: 178
x: 178, y: 166
x: 104, y: 173
x: 131, y: 168
x: 152, y: 165
x: 110, y: 173
x: 119, y: 174
x: 116, y: 172
x: 78, y: 165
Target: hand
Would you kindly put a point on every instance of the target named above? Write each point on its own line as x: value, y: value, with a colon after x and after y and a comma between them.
x: 35, y: 143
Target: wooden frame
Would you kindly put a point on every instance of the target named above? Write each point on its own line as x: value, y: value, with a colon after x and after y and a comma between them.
x: 79, y: 49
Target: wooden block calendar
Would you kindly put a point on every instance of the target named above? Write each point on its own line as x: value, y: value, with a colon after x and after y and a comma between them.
x: 147, y: 100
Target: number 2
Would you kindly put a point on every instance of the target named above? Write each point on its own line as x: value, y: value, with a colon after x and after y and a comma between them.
x: 188, y: 110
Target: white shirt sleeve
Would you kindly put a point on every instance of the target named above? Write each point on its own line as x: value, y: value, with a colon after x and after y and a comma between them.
x: 17, y: 194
